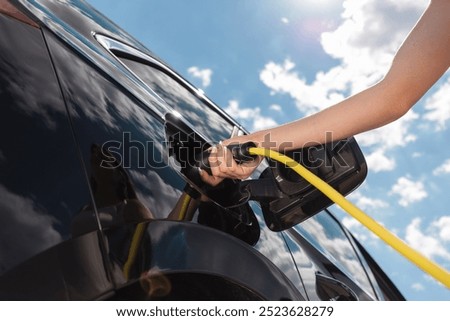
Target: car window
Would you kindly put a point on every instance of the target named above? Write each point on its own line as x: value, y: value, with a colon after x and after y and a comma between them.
x: 122, y: 144
x: 42, y: 185
x: 189, y: 104
x: 328, y: 237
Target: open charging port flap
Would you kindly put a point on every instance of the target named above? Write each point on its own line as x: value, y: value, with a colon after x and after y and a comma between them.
x: 187, y: 150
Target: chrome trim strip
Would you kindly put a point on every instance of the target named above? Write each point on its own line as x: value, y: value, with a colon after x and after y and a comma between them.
x: 112, y: 45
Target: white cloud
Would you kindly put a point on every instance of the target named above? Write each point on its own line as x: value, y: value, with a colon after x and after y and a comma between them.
x: 417, y: 287
x: 203, y: 74
x: 356, y: 229
x: 371, y: 31
x: 442, y: 225
x: 394, y: 135
x: 381, y: 140
x: 443, y: 169
x: 409, y: 191
x: 428, y: 242
x: 283, y: 79
x: 365, y: 43
x: 350, y: 223
x: 360, y: 231
x: 250, y: 117
x: 367, y: 203
x: 275, y: 108
x: 285, y: 20
x: 262, y: 122
x: 437, y: 106
x: 377, y: 161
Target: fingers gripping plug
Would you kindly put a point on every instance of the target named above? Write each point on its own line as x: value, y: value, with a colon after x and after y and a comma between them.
x: 240, y: 153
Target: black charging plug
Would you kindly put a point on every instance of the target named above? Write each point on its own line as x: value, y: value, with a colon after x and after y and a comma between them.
x: 241, y: 154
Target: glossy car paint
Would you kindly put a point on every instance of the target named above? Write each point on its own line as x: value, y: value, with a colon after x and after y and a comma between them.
x: 93, y: 253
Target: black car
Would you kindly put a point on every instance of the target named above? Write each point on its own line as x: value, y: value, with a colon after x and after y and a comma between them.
x: 100, y: 196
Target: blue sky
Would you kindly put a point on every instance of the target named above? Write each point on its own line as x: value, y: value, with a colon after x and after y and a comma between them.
x: 270, y: 62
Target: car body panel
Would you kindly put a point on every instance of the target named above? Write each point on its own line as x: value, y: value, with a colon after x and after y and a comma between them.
x: 72, y: 270
x: 176, y: 248
x: 113, y: 237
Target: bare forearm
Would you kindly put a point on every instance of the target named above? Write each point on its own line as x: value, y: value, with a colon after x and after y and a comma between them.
x: 421, y: 60
x: 354, y: 115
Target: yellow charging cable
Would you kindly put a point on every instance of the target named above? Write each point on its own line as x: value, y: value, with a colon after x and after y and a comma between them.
x: 134, y: 248
x: 415, y: 257
x: 184, y: 207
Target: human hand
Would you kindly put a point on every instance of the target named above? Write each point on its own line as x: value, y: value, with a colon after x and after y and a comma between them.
x: 223, y: 166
